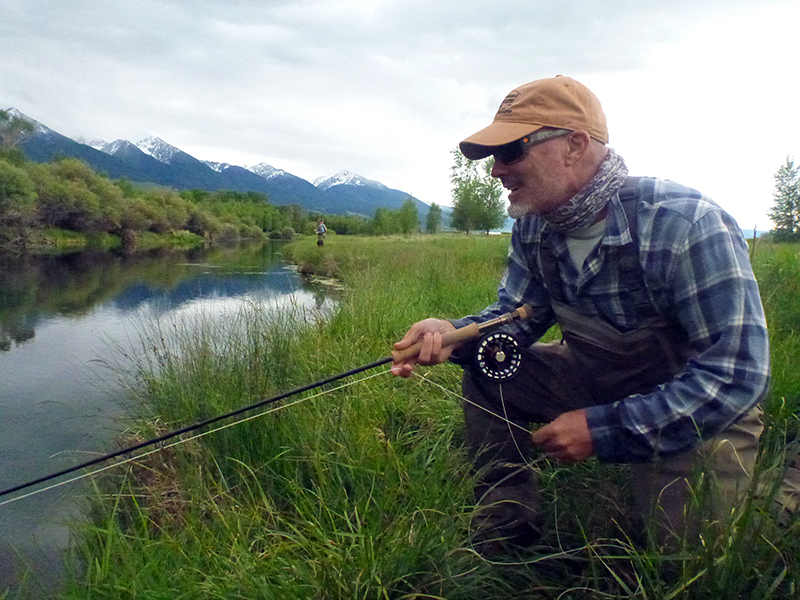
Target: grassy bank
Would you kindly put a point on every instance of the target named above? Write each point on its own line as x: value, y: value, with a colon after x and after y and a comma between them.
x: 365, y: 492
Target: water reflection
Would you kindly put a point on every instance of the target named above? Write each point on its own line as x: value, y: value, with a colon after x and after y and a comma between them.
x: 60, y: 317
x: 36, y: 288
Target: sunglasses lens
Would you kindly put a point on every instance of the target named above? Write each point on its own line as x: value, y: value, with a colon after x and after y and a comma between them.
x: 509, y: 153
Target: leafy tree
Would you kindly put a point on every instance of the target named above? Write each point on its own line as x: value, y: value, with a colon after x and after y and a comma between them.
x: 294, y: 217
x: 62, y: 202
x: 227, y: 233
x: 135, y: 215
x: 13, y: 156
x: 17, y: 197
x: 433, y: 222
x: 72, y: 196
x: 249, y: 211
x: 408, y: 217
x: 171, y: 211
x: 785, y: 211
x: 196, y: 196
x: 477, y: 196
x: 12, y: 129
x: 202, y: 223
x: 385, y: 221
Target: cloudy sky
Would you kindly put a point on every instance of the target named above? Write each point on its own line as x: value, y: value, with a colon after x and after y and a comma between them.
x: 704, y: 92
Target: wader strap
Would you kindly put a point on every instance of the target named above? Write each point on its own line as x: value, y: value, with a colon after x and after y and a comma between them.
x: 631, y: 274
x: 551, y: 272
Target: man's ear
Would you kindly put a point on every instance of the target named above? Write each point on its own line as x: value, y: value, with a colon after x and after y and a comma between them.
x: 578, y: 143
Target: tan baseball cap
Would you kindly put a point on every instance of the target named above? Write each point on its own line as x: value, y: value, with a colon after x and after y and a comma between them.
x: 559, y: 102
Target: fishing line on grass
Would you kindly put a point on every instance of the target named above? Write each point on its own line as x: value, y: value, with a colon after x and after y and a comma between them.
x: 508, y: 422
x: 498, y: 359
x: 239, y: 422
x: 178, y: 442
x: 468, y: 401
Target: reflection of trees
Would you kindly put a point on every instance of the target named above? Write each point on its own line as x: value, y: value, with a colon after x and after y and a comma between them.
x: 14, y: 334
x: 35, y: 287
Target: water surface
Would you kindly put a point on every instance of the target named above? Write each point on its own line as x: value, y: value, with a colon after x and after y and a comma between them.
x: 65, y: 322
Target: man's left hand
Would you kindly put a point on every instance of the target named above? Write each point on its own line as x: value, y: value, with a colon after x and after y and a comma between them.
x: 566, y: 438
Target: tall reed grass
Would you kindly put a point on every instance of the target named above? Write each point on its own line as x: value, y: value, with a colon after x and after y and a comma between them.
x: 365, y: 492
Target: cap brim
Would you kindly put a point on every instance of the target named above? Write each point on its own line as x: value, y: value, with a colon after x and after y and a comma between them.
x: 482, y: 144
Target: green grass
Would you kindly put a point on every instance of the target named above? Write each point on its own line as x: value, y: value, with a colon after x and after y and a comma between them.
x: 365, y: 492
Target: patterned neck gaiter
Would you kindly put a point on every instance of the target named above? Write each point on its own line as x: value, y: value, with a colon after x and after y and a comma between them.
x: 582, y: 209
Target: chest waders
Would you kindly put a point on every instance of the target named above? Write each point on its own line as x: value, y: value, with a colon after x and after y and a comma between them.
x: 598, y: 363
x: 615, y: 363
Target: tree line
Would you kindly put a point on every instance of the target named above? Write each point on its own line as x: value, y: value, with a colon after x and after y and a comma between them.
x: 69, y: 195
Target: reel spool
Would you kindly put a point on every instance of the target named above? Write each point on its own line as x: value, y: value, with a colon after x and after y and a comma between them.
x: 498, y: 356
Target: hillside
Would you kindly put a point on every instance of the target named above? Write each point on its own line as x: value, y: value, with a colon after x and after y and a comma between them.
x: 155, y: 161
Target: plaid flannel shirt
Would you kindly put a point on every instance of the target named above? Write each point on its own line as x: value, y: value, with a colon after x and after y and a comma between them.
x: 698, y: 274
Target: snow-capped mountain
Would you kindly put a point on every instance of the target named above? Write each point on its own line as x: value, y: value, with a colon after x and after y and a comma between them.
x: 38, y: 127
x: 114, y: 147
x: 346, y: 178
x: 154, y: 161
x: 97, y: 144
x: 157, y: 148
x: 266, y: 171
x: 217, y: 166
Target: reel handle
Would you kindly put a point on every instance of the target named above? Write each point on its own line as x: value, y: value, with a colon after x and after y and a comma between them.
x: 448, y: 339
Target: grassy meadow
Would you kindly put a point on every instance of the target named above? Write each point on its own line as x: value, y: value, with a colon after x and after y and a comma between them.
x: 364, y: 492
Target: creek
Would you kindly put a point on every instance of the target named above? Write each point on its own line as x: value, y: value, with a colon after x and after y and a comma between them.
x: 66, y: 320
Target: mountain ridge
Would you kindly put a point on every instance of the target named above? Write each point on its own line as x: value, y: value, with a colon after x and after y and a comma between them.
x: 155, y: 161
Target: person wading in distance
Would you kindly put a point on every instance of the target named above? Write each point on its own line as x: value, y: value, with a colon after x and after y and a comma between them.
x: 664, y: 356
x: 321, y: 231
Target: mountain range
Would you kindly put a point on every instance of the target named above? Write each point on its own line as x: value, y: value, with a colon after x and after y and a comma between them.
x: 154, y: 161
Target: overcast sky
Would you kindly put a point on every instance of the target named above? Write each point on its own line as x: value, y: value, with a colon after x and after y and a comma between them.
x: 704, y: 92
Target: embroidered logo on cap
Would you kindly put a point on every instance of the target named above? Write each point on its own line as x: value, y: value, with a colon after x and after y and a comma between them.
x: 505, y: 105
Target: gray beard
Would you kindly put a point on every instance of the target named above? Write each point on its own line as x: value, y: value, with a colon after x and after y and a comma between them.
x: 517, y: 212
x: 582, y: 209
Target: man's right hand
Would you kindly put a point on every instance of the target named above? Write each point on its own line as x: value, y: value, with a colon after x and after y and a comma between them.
x: 429, y: 332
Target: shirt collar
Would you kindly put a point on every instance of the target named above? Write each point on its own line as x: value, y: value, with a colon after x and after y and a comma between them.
x: 618, y: 231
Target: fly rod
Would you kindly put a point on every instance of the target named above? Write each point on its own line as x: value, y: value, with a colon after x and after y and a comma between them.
x: 470, y: 331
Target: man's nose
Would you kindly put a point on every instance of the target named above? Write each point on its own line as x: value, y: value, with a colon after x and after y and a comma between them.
x: 498, y: 169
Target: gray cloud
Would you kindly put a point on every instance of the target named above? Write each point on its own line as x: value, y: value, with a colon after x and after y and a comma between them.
x: 384, y: 88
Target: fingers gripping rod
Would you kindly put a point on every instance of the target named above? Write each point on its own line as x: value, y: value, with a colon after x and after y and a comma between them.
x: 471, y: 331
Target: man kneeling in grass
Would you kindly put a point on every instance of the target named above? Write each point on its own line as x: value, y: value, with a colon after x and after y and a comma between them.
x: 664, y: 356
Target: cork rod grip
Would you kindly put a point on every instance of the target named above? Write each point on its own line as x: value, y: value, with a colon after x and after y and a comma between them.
x: 448, y: 339
x: 524, y: 312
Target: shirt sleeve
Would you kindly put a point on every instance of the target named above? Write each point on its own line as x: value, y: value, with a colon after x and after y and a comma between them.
x: 716, y: 301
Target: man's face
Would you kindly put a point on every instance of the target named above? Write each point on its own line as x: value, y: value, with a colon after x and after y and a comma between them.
x: 538, y: 182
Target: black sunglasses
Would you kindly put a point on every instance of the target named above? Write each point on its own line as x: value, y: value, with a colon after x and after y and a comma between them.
x: 513, y: 152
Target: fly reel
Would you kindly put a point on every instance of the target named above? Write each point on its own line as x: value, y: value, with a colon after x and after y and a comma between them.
x: 498, y: 356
